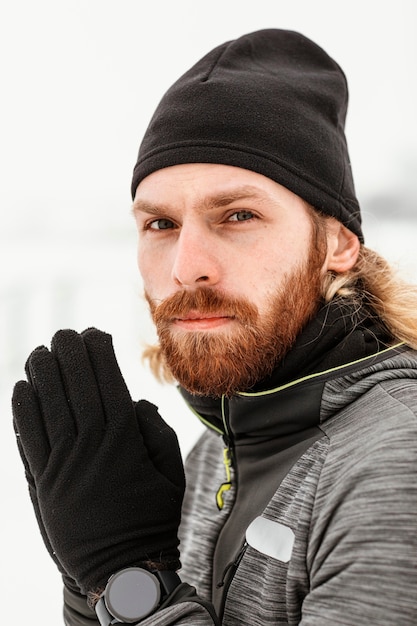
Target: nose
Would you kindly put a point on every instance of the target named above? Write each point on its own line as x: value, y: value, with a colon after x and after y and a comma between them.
x: 196, y: 261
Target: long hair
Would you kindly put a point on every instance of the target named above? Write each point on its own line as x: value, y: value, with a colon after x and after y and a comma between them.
x: 374, y: 283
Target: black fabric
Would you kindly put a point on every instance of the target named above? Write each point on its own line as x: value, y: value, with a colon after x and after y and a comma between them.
x: 340, y: 333
x: 272, y: 102
x: 68, y: 581
x: 76, y: 610
x: 105, y: 474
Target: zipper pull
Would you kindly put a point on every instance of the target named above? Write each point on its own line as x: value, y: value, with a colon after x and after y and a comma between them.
x: 227, y: 460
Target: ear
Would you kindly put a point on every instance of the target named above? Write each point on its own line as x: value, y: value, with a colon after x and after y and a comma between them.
x: 342, y: 247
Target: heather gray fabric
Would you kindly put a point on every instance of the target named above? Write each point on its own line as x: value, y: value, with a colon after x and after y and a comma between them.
x: 350, y: 500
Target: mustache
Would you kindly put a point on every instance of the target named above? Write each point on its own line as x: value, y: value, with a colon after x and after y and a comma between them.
x: 204, y: 300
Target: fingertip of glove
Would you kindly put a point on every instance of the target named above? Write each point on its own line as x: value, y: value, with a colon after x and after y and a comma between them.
x: 34, y: 357
x: 151, y: 421
x: 94, y: 334
x: 36, y: 352
x: 63, y: 337
x: 98, y: 342
x: 22, y: 393
x: 93, y: 329
x: 147, y: 406
x: 20, y: 388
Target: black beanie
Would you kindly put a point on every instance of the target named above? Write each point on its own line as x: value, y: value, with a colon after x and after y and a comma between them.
x: 272, y: 102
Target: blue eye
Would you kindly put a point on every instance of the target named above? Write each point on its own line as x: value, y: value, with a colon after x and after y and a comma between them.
x: 241, y: 216
x: 162, y: 224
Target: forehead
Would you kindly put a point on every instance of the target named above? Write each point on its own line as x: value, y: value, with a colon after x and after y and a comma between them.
x: 208, y: 184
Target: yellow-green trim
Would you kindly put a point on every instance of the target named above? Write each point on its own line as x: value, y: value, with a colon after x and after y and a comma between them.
x: 203, y: 420
x: 248, y: 394
x: 224, y: 415
x: 227, y: 485
x: 316, y: 375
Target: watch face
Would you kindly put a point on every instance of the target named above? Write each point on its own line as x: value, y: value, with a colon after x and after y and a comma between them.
x: 132, y: 594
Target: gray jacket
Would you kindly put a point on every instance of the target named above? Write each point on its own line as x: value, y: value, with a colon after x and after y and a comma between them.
x: 334, y: 540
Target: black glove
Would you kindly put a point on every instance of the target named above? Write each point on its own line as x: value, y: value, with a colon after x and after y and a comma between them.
x: 105, y: 475
x: 68, y: 581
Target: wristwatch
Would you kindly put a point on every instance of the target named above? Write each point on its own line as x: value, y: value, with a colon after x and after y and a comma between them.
x: 134, y: 593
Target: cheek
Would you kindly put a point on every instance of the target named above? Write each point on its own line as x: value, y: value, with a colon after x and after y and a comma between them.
x: 146, y: 263
x: 141, y: 260
x: 268, y: 278
x: 155, y: 270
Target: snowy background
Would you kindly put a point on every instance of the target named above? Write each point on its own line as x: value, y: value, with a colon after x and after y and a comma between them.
x: 79, y: 80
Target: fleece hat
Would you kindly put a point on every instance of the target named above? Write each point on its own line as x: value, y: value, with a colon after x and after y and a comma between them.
x: 272, y: 102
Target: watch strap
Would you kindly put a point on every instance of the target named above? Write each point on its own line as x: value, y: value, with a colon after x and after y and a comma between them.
x: 169, y: 581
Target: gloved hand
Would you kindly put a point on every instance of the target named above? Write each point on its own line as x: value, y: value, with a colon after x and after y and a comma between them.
x: 68, y: 581
x: 105, y: 474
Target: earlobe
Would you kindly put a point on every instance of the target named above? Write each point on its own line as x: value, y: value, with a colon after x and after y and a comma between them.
x: 342, y: 248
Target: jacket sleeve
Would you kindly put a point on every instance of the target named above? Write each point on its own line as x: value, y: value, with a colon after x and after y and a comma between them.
x: 362, y: 557
x: 182, y: 607
x: 76, y: 610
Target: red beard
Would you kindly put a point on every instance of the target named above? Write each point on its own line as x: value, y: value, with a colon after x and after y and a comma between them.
x: 217, y: 363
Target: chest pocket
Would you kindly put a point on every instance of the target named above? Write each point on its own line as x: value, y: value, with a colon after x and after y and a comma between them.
x: 257, y: 593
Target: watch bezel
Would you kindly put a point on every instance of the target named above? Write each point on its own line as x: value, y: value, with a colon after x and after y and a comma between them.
x: 163, y: 582
x: 122, y: 589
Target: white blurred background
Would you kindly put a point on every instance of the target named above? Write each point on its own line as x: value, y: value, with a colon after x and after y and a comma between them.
x: 79, y: 80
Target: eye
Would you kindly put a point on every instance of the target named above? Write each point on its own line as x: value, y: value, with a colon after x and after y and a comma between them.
x: 161, y: 224
x: 241, y: 216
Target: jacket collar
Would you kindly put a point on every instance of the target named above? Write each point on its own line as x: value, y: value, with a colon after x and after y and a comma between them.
x: 289, y: 401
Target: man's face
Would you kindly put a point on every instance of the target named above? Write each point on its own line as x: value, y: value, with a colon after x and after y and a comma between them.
x: 231, y: 270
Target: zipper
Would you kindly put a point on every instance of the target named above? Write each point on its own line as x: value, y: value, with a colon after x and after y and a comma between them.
x: 227, y: 577
x: 227, y: 459
x: 230, y: 569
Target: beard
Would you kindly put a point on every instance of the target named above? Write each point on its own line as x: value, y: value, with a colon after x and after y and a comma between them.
x: 226, y: 362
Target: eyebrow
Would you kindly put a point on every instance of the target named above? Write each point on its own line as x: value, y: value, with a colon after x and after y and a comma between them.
x: 246, y: 192
x: 143, y: 206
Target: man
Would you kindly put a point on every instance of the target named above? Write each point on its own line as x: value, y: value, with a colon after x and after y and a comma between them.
x: 289, y: 339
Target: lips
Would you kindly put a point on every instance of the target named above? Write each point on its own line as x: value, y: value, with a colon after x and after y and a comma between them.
x: 196, y: 315
x: 201, y: 309
x: 195, y: 320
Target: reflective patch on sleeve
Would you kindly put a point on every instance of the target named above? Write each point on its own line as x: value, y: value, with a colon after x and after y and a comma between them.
x: 270, y: 538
